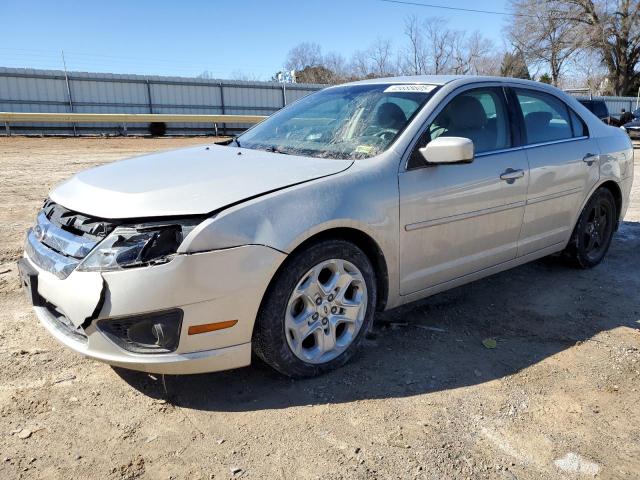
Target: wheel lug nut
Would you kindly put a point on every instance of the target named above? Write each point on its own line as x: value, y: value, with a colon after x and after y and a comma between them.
x: 334, y: 310
x: 325, y: 321
x: 318, y: 301
x: 315, y: 316
x: 330, y: 298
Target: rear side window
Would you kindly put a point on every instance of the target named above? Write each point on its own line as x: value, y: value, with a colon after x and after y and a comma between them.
x: 546, y: 119
x: 578, y: 125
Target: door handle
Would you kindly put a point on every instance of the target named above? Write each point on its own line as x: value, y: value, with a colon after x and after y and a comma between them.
x: 510, y: 175
x: 590, y: 158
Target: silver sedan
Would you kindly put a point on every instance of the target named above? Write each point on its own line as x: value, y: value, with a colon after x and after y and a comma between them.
x: 287, y: 240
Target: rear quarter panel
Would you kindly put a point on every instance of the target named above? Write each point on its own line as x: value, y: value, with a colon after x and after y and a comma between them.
x: 616, y: 162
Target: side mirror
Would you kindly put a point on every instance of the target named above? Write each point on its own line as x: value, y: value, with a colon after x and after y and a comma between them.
x: 448, y: 150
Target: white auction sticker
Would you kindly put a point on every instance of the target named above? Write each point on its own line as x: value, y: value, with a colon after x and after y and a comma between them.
x: 410, y: 88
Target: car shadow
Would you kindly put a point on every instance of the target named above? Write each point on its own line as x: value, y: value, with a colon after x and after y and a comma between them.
x: 532, y: 312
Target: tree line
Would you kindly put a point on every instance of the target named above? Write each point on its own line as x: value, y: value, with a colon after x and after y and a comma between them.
x: 587, y: 43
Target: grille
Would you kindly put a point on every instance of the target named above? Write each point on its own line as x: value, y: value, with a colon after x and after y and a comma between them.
x: 77, y: 223
x: 61, y: 238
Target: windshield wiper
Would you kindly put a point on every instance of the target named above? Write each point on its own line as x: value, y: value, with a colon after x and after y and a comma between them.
x: 229, y: 141
x: 274, y: 149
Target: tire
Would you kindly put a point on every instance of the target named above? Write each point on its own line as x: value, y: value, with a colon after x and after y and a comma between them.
x: 323, y: 295
x: 158, y: 129
x: 592, y: 234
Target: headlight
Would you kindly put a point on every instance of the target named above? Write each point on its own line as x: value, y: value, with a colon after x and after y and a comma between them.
x: 137, y: 246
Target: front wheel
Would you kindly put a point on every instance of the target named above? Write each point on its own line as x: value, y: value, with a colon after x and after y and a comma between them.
x: 592, y: 235
x: 317, y: 309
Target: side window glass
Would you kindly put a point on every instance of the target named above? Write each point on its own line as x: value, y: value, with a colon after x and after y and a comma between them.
x: 479, y: 115
x: 546, y: 119
x: 578, y: 125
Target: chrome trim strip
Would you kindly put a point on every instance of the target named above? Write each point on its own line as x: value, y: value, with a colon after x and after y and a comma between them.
x: 551, y: 196
x: 463, y: 216
x: 554, y: 142
x: 47, y: 259
x: 60, y: 240
x: 496, y: 152
x: 524, y: 147
x: 528, y: 146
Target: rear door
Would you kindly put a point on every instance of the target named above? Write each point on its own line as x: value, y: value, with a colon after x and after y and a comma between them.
x: 457, y: 219
x: 564, y: 166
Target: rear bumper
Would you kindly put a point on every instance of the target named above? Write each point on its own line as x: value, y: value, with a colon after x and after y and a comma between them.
x: 634, y: 133
x: 208, y: 287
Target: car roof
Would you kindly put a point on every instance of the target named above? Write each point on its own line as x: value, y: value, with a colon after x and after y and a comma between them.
x: 443, y: 80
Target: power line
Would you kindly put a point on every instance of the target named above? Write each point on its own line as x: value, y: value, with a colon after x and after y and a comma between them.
x: 459, y: 9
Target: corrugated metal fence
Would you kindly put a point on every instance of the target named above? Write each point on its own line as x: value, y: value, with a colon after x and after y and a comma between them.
x: 615, y: 104
x: 29, y: 90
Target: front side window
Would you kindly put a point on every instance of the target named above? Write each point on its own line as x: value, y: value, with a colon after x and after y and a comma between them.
x: 546, y: 118
x: 479, y: 115
x: 355, y: 121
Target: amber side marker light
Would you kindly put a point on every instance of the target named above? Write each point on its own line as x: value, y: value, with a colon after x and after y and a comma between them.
x: 211, y: 327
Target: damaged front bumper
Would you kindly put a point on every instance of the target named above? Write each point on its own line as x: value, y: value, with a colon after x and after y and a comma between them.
x: 209, y: 287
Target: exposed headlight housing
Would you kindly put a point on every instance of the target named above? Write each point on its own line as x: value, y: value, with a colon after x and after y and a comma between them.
x: 137, y: 246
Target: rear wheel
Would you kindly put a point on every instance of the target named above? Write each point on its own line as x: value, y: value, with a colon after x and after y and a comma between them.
x: 317, y: 310
x: 592, y: 235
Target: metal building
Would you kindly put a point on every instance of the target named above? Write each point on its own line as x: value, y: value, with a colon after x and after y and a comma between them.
x: 30, y: 90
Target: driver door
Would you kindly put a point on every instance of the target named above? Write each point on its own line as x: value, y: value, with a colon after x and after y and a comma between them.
x: 457, y: 219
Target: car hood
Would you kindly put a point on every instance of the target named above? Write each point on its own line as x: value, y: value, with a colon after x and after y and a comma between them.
x: 189, y: 181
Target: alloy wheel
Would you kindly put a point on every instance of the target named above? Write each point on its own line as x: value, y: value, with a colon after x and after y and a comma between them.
x: 325, y: 311
x: 597, y: 229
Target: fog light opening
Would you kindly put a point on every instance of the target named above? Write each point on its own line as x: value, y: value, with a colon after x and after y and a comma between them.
x: 151, y: 333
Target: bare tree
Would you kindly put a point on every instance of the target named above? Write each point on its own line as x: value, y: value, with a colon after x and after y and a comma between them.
x: 542, y: 33
x: 360, y: 65
x: 514, y: 65
x: 337, y: 64
x: 431, y: 48
x: 381, y: 57
x: 614, y: 33
x: 588, y: 71
x: 469, y: 55
x: 305, y: 54
x: 246, y: 77
x: 482, y: 55
x: 439, y: 40
x: 414, y: 61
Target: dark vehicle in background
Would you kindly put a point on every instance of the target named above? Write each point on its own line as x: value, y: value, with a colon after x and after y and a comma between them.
x: 633, y: 128
x: 600, y: 110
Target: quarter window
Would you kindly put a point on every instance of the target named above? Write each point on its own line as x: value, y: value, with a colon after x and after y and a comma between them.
x: 546, y: 119
x: 578, y: 125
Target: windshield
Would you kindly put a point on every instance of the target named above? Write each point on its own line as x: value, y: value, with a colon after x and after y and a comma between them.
x: 355, y: 121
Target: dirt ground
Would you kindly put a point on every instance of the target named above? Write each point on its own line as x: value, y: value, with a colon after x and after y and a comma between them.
x: 558, y: 397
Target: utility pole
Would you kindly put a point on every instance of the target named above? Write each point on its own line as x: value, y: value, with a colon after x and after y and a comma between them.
x: 66, y: 78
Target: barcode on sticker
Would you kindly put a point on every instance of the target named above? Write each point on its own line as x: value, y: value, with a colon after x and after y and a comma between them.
x: 410, y: 88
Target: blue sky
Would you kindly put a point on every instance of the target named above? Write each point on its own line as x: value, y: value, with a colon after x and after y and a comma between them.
x: 188, y: 37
